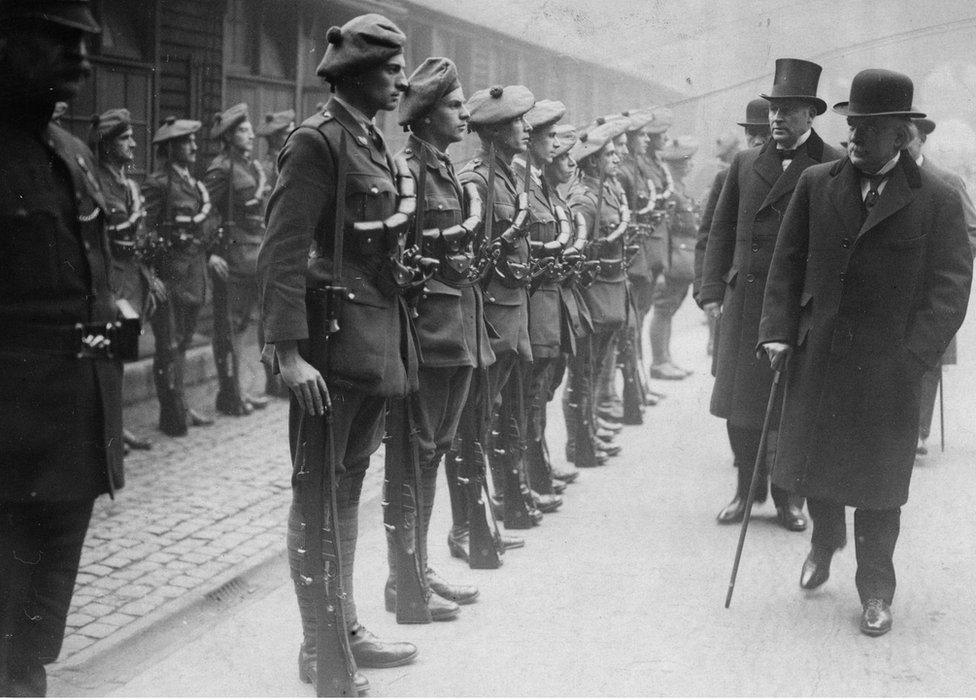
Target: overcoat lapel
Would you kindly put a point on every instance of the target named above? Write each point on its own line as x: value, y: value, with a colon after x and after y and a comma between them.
x: 808, y: 154
x: 844, y: 192
x: 896, y: 195
x: 768, y: 164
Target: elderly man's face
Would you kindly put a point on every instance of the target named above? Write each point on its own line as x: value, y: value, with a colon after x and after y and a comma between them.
x: 789, y: 120
x: 873, y: 141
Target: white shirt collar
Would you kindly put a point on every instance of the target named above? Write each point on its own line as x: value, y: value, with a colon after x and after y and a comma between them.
x: 886, y: 168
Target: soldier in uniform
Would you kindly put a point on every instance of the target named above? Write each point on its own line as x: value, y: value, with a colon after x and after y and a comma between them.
x: 274, y: 131
x: 60, y: 390
x: 737, y: 257
x: 369, y: 358
x: 238, y: 189
x: 497, y: 117
x: 450, y: 322
x: 110, y: 140
x: 178, y: 216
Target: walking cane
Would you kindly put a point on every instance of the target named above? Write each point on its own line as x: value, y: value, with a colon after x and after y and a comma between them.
x: 760, y: 456
x: 941, y: 413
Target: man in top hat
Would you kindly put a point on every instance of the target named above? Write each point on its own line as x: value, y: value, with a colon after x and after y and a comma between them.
x: 274, y: 130
x: 179, y: 218
x: 60, y: 396
x: 737, y: 256
x: 921, y: 128
x: 869, y: 281
x: 450, y: 322
x: 497, y: 117
x: 369, y: 359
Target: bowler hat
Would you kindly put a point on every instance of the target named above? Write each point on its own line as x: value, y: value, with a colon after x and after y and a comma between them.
x: 498, y: 104
x: 227, y: 120
x: 278, y: 121
x: 796, y: 79
x: 757, y: 113
x: 361, y: 43
x: 75, y: 14
x: 433, y: 79
x: 173, y: 128
x: 877, y: 92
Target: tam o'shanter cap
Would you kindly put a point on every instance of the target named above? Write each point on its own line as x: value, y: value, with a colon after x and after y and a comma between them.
x: 661, y: 122
x: 639, y: 118
x: 796, y: 79
x: 877, y: 92
x: 173, y: 128
x: 276, y: 122
x: 433, y: 79
x: 360, y: 44
x: 109, y: 124
x: 499, y: 104
x: 595, y: 137
x: 757, y: 113
x: 227, y: 120
x: 74, y: 14
x: 680, y: 148
x: 567, y: 137
x: 544, y: 113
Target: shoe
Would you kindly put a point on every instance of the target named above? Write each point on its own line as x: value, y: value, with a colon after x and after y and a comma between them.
x: 667, y: 371
x: 876, y: 618
x: 172, y: 428
x: 134, y: 442
x: 308, y: 671
x: 558, y: 487
x: 547, y: 503
x: 677, y: 368
x: 610, y: 413
x: 612, y: 426
x: 441, y: 609
x: 921, y: 448
x: 733, y: 512
x: 605, y: 435
x: 370, y: 651
x: 257, y: 402
x: 816, y: 568
x: 791, y: 517
x: 457, y: 543
x: 507, y: 542
x: 462, y: 594
x: 198, y: 420
x: 567, y: 474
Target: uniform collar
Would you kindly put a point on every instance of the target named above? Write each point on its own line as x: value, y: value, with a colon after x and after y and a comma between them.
x: 365, y: 122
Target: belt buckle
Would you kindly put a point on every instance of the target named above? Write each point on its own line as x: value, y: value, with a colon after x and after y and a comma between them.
x: 94, y: 340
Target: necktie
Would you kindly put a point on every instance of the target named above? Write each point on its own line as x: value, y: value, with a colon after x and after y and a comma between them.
x: 873, y: 194
x: 786, y: 153
x: 376, y: 138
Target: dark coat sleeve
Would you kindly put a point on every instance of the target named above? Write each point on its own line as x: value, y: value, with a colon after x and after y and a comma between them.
x: 720, y: 240
x: 701, y: 240
x: 305, y: 184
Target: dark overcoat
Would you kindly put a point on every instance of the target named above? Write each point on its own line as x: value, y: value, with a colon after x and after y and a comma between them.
x: 62, y: 415
x: 450, y: 319
x: 739, y: 248
x: 701, y: 239
x: 506, y: 305
x: 372, y: 352
x: 867, y: 307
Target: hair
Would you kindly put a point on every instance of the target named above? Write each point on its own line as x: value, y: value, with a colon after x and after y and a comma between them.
x: 590, y: 165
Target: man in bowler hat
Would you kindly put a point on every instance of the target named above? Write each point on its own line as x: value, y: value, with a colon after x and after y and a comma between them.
x: 869, y: 281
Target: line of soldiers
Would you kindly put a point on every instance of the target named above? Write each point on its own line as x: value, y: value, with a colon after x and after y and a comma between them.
x: 440, y: 310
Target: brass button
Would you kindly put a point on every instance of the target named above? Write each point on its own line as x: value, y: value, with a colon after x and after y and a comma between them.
x: 374, y: 189
x: 750, y: 277
x: 846, y: 243
x: 755, y: 247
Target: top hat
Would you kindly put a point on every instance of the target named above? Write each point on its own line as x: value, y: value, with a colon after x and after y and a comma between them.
x: 757, y: 113
x: 877, y: 92
x: 796, y: 79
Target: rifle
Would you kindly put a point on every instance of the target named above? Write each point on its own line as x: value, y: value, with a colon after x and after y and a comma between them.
x: 321, y: 564
x: 633, y: 393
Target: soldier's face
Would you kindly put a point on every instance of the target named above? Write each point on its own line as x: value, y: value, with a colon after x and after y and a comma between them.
x: 382, y: 85
x: 789, y: 120
x: 563, y: 168
x: 513, y: 136
x: 242, y: 138
x: 611, y: 159
x: 543, y: 144
x: 448, y: 120
x: 45, y: 61
x: 655, y: 142
x: 122, y: 148
x: 185, y: 150
x: 638, y: 141
x: 620, y: 145
x: 873, y: 141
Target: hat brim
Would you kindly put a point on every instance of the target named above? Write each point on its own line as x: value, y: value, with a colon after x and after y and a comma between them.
x: 765, y: 124
x: 73, y: 17
x: 819, y: 104
x: 844, y: 108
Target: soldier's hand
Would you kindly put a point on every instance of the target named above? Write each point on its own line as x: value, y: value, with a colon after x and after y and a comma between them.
x: 304, y: 380
x: 778, y: 354
x: 219, y: 267
x: 157, y: 295
x: 713, y: 309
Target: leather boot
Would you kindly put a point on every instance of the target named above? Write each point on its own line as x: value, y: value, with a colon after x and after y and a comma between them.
x: 308, y: 671
x: 168, y: 377
x: 441, y: 609
x: 135, y: 442
x: 369, y: 651
x: 539, y: 471
x: 462, y: 594
x: 735, y: 511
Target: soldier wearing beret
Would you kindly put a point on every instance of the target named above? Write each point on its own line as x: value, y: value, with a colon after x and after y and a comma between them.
x: 737, y: 257
x: 60, y: 390
x: 450, y: 321
x: 179, y: 218
x: 855, y: 337
x: 239, y: 190
x: 110, y: 139
x: 274, y: 130
x: 335, y: 156
x: 497, y: 117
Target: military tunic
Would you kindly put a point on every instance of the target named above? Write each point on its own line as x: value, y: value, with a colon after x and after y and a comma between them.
x: 125, y: 226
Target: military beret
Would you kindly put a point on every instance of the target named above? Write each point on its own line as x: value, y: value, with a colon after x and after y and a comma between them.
x: 276, y: 122
x: 108, y: 125
x: 433, y: 79
x: 499, y: 104
x: 74, y: 14
x: 544, y: 113
x: 661, y: 122
x: 361, y: 43
x: 173, y: 128
x: 595, y: 136
x: 227, y: 120
x: 567, y: 137
x: 680, y: 148
x: 639, y: 118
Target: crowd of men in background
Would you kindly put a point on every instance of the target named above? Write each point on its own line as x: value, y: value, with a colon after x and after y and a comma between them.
x: 396, y: 296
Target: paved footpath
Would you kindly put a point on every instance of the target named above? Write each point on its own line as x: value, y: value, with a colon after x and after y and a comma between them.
x: 620, y: 593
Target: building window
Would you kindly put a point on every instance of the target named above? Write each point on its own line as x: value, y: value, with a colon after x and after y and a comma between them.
x: 126, y: 31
